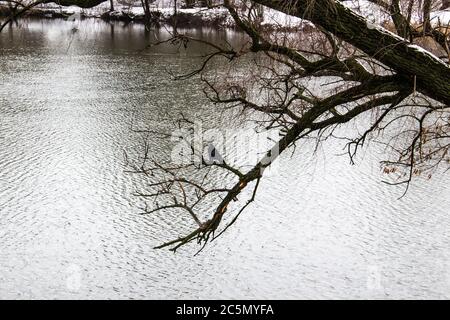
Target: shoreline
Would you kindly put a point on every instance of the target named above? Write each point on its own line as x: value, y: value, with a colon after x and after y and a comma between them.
x: 185, y: 18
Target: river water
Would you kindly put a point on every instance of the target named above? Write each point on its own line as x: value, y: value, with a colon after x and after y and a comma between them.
x: 70, y: 226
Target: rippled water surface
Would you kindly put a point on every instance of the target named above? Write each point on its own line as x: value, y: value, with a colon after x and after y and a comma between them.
x: 70, y: 228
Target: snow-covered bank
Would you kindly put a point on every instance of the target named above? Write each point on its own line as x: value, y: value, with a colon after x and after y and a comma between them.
x: 185, y: 17
x: 162, y: 13
x: 376, y: 14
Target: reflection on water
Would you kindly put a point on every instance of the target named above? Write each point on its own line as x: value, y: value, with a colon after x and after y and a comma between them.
x: 70, y: 227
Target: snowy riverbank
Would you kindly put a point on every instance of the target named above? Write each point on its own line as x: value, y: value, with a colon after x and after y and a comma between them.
x: 162, y: 13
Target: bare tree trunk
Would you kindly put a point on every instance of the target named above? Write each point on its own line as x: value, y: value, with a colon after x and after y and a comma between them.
x: 426, y: 16
x: 147, y: 13
x: 111, y: 5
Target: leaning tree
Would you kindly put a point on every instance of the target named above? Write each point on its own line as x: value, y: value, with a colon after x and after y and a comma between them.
x: 393, y: 71
x: 361, y: 66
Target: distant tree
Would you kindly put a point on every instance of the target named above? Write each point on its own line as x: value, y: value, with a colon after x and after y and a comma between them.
x: 189, y: 3
x: 147, y: 12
